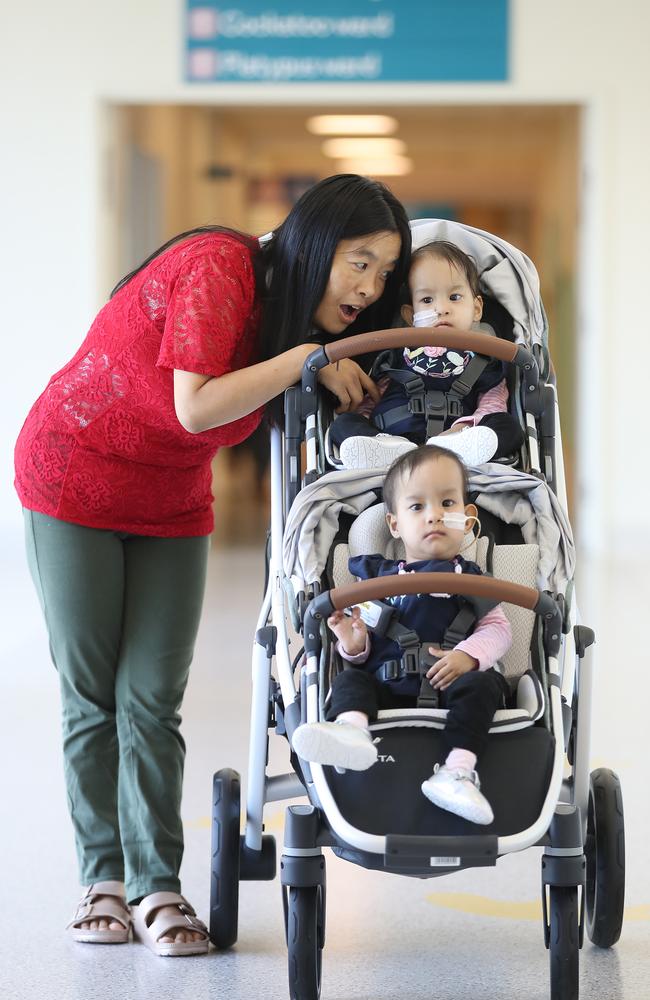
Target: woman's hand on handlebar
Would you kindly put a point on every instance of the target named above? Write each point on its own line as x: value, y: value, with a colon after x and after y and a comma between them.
x: 349, y: 383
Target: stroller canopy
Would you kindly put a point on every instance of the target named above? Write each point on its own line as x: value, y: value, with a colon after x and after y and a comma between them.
x: 506, y: 274
x: 514, y: 497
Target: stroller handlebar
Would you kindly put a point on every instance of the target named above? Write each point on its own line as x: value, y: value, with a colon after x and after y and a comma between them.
x: 467, y: 585
x: 428, y: 336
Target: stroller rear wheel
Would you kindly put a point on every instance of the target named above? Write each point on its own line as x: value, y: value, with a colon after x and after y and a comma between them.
x: 224, y: 883
x: 305, y: 916
x: 605, y: 853
x: 564, y: 942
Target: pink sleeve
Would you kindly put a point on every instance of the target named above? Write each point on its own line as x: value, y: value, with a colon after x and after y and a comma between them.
x: 359, y: 657
x: 490, y: 639
x: 495, y: 400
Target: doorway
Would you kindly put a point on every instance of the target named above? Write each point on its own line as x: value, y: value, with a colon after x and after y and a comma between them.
x: 511, y: 170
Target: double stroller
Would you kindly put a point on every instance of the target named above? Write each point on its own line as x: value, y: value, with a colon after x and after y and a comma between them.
x: 535, y: 771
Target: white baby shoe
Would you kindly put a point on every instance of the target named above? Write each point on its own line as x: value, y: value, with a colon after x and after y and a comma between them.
x: 474, y: 446
x: 359, y: 452
x: 458, y: 791
x: 338, y: 744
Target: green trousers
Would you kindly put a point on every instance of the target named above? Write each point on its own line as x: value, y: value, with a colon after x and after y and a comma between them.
x: 122, y: 613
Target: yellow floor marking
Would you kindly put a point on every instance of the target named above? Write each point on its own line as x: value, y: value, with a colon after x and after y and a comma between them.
x: 271, y: 823
x: 468, y: 903
x: 465, y: 902
x: 203, y: 823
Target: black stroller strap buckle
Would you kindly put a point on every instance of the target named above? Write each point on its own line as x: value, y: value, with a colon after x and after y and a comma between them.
x: 454, y: 407
x: 461, y: 387
x: 464, y: 384
x: 414, y: 662
x: 406, y: 638
x: 436, y: 404
x: 436, y: 408
x: 391, y: 670
x: 409, y: 642
x: 439, y: 407
x: 428, y: 697
x: 451, y: 640
x: 413, y: 386
x: 411, y: 662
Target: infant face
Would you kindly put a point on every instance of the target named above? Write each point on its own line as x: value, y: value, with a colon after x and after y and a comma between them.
x: 432, y: 490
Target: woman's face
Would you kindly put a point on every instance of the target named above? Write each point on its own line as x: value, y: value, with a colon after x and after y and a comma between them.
x: 359, y: 272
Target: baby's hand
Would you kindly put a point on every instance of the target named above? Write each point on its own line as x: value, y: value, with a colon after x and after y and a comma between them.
x: 452, y: 664
x: 350, y: 630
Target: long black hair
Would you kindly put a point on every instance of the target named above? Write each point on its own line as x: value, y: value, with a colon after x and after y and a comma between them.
x: 301, y: 252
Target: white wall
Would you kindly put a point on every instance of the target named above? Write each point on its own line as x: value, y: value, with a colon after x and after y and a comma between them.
x: 61, y: 62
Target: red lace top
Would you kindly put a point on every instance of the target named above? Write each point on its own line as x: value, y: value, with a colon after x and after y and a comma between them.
x: 102, y: 445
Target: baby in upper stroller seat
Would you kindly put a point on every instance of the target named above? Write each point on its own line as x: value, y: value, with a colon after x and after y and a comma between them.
x: 425, y: 494
x: 444, y: 290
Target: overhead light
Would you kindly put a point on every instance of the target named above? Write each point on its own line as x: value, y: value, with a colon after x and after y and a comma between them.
x: 352, y: 125
x: 384, y: 166
x: 364, y: 148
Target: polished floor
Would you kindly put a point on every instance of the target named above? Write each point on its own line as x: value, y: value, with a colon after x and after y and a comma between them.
x: 473, y: 935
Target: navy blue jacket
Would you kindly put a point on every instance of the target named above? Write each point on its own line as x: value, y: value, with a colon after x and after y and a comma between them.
x: 437, y: 372
x: 428, y: 615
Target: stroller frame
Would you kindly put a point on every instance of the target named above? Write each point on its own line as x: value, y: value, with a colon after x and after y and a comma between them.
x: 581, y: 813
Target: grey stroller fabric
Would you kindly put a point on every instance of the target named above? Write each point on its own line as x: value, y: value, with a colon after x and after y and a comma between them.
x: 518, y: 498
x: 505, y: 272
x: 515, y: 497
x: 313, y: 520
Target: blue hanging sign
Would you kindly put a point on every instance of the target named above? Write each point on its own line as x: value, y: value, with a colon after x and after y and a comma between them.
x: 340, y: 41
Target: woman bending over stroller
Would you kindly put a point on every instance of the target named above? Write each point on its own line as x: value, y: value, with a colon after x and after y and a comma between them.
x: 113, y: 469
x: 425, y: 494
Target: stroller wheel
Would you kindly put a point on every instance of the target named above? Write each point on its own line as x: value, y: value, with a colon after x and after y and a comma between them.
x: 224, y: 884
x: 605, y: 853
x: 305, y: 933
x: 564, y: 941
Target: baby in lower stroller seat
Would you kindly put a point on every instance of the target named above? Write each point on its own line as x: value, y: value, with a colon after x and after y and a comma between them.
x: 469, y: 415
x: 425, y: 495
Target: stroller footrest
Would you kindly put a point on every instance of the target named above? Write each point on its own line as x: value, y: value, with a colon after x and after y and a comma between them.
x: 441, y: 852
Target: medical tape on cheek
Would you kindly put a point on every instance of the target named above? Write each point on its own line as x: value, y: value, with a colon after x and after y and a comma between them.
x: 456, y: 521
x: 426, y: 317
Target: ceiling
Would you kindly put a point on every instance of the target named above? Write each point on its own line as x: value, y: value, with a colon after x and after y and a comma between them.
x: 453, y: 149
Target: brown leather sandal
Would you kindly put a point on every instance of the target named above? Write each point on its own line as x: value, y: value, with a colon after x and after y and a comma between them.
x: 114, y: 909
x: 150, y: 926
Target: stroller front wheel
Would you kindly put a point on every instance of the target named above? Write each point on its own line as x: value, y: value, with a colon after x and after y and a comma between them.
x: 305, y: 916
x: 564, y: 943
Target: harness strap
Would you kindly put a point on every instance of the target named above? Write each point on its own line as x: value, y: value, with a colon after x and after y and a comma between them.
x: 435, y: 406
x: 466, y: 382
x: 416, y: 659
x: 460, y: 628
x: 428, y: 697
